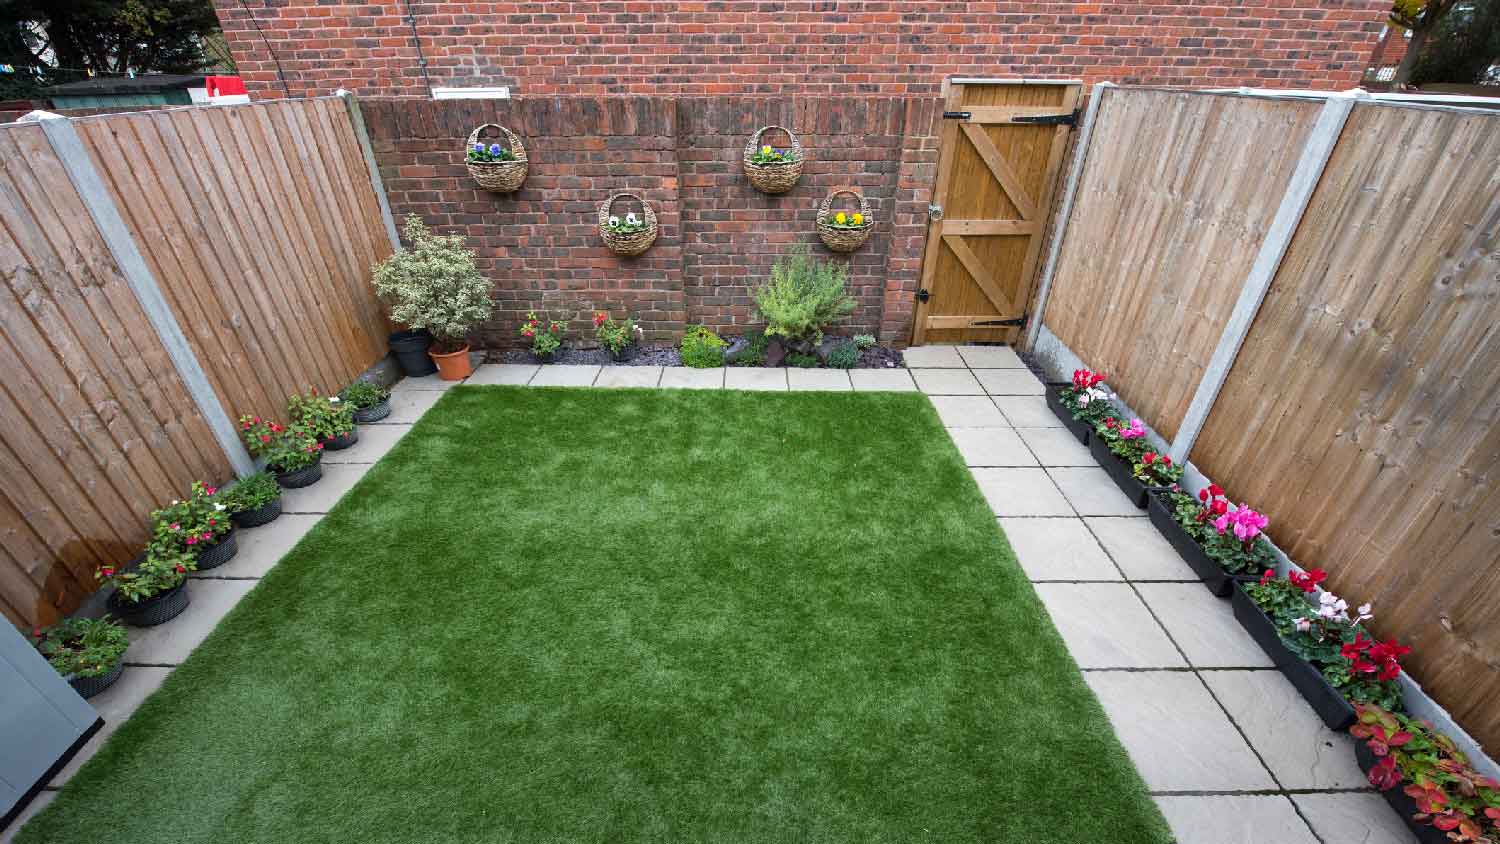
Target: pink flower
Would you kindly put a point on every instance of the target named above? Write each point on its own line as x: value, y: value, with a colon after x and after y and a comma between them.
x: 176, y: 526
x: 1135, y: 431
x: 210, y: 490
x: 192, y: 540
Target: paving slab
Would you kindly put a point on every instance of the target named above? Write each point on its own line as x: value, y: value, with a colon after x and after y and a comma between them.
x: 565, y: 375
x: 1057, y: 549
x: 1176, y: 734
x: 629, y: 376
x: 1010, y: 382
x: 886, y: 380
x: 409, y: 406
x: 687, y: 377
x: 338, y: 478
x: 772, y: 379
x: 374, y: 442
x: 968, y: 412
x: 1106, y: 626
x: 930, y: 357
x: 261, y: 548
x: 491, y: 374
x: 1234, y: 819
x: 1027, y: 411
x: 170, y: 643
x: 1091, y: 492
x: 1295, y: 744
x: 835, y: 380
x: 1021, y: 492
x: 425, y: 382
x: 1139, y: 549
x: 991, y: 357
x: 947, y: 382
x: 991, y: 447
x: 1203, y: 625
x: 1056, y: 447
x: 37, y: 804
x: 115, y: 705
x: 1354, y: 819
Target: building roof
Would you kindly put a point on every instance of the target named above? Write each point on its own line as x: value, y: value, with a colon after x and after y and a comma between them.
x: 148, y: 83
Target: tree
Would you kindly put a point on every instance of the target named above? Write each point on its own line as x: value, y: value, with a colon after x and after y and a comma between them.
x: 1464, y: 48
x: 1420, y: 17
x: 110, y: 37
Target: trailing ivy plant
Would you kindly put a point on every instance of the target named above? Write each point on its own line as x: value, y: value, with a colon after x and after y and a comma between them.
x: 803, y: 296
x: 434, y: 284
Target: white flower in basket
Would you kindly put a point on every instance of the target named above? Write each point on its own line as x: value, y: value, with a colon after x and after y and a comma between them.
x: 630, y: 219
x: 613, y: 221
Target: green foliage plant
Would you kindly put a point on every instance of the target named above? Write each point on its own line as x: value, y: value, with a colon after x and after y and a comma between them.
x: 159, y: 572
x: 544, y: 335
x: 82, y: 647
x: 363, y: 395
x: 844, y: 356
x: 324, y: 416
x: 803, y: 296
x: 864, y: 341
x: 701, y: 348
x: 802, y: 361
x: 434, y: 284
x: 250, y: 493
x: 189, y: 524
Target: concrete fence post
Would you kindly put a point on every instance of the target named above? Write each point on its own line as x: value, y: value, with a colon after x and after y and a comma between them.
x: 357, y: 118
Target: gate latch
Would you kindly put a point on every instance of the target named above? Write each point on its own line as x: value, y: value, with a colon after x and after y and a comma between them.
x: 1070, y: 119
x: 957, y: 115
x: 934, y: 211
x: 923, y: 295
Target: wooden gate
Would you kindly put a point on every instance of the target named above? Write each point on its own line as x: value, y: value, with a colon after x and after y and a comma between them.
x: 1003, y: 145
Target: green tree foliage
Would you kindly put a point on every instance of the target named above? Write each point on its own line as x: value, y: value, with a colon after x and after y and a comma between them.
x: 108, y: 37
x: 1465, y: 45
x: 1421, y: 18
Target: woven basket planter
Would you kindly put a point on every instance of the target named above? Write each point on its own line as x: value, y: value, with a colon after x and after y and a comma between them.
x: 632, y: 243
x: 219, y: 553
x: 149, y: 612
x: 263, y: 515
x: 773, y: 178
x: 498, y: 176
x: 843, y: 238
x: 87, y: 687
x: 366, y: 415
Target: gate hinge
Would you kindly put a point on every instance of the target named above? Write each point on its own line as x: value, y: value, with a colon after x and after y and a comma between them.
x: 1070, y: 119
x: 1002, y: 323
x: 957, y: 115
x: 923, y: 295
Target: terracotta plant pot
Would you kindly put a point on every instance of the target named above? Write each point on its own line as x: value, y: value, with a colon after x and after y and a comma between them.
x: 453, y: 366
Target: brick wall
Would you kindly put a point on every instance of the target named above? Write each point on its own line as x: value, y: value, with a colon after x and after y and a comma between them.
x: 719, y: 235
x: 786, y: 47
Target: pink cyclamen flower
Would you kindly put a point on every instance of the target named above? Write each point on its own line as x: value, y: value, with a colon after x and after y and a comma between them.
x: 1135, y: 431
x: 1246, y: 523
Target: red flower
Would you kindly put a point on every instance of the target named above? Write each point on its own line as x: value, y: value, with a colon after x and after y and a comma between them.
x: 599, y: 319
x: 1269, y: 576
x: 1307, y: 581
x: 1167, y: 460
x: 181, y: 570
x: 1203, y: 495
x: 210, y: 490
x: 107, y: 571
x: 553, y: 328
x: 1110, y: 423
x: 1148, y: 458
x: 1215, y: 490
x: 264, y: 438
x: 1220, y: 507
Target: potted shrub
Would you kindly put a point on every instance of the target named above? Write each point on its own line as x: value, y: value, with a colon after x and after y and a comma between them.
x: 253, y: 501
x: 1081, y: 404
x: 1324, y: 651
x: 545, y: 336
x: 199, y: 524
x: 618, y: 337
x: 1121, y: 450
x: 370, y: 402
x: 1426, y: 778
x: 150, y: 591
x: 292, y: 452
x: 434, y: 285
x: 1219, y: 548
x: 327, y: 417
x: 88, y: 652
x: 701, y: 348
x: 803, y: 296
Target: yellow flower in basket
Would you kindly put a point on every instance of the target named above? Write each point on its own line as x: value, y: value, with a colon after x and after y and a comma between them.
x: 766, y: 150
x: 859, y: 219
x: 841, y: 218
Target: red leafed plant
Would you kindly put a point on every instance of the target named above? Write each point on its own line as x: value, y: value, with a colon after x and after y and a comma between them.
x: 1448, y: 792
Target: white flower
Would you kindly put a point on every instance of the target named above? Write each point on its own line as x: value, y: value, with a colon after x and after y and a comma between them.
x: 220, y: 507
x: 1092, y: 394
x: 175, y: 501
x: 613, y: 220
x: 630, y: 218
x: 1327, y: 612
x: 333, y: 399
x: 1303, y: 624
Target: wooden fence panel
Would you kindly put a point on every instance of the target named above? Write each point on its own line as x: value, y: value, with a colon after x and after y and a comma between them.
x: 261, y: 224
x: 96, y: 429
x: 1363, y: 412
x: 1171, y: 209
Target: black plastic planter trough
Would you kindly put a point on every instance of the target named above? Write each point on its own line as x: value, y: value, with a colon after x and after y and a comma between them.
x: 1077, y: 427
x: 157, y: 609
x: 1404, y: 805
x: 1305, y: 677
x: 1218, y: 581
x: 1119, y: 472
x: 342, y: 442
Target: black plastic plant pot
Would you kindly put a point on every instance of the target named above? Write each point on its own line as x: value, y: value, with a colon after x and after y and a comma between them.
x: 1397, y: 797
x: 87, y: 687
x: 1079, y: 428
x: 306, y: 476
x: 219, y: 553
x: 263, y: 515
x: 1304, y: 676
x: 1118, y: 472
x: 341, y: 442
x: 366, y: 415
x: 1218, y: 581
x: 623, y: 354
x: 410, y: 349
x: 149, y: 612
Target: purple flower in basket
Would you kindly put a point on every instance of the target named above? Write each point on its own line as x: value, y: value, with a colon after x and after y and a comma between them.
x: 496, y: 149
x: 479, y: 148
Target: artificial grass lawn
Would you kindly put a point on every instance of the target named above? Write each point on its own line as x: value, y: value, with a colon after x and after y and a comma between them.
x: 554, y: 615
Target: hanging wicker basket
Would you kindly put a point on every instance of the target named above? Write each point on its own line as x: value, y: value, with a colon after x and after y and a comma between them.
x: 627, y: 243
x: 844, y: 238
x: 498, y: 176
x: 773, y: 178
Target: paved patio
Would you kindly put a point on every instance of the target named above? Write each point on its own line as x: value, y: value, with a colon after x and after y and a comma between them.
x: 1230, y: 751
